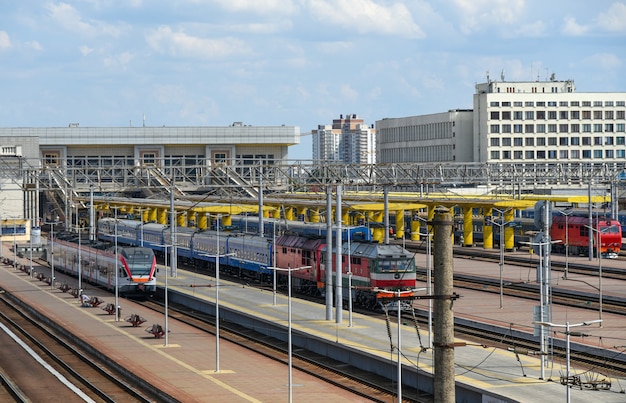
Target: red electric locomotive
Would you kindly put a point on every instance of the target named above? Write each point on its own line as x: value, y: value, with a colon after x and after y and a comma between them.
x: 374, y: 267
x: 576, y: 234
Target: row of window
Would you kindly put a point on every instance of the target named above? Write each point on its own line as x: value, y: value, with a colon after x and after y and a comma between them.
x: 558, y: 128
x: 533, y: 104
x: 561, y: 115
x: 560, y: 141
x: 556, y: 154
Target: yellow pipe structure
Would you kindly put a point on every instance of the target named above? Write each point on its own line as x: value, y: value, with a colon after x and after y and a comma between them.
x: 468, y: 227
x: 379, y: 231
x: 162, y: 216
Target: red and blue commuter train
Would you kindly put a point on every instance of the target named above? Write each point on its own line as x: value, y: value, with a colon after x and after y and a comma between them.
x: 95, y: 261
x: 374, y: 267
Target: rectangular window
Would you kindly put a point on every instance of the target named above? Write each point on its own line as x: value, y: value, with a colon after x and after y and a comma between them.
x: 575, y: 128
x: 620, y: 140
x: 597, y: 115
x: 529, y: 128
x: 574, y: 103
x: 529, y: 142
x: 586, y: 128
x: 563, y: 128
x: 575, y: 115
x: 608, y: 127
x: 597, y: 154
x: 495, y: 128
x: 506, y: 103
x: 530, y: 115
x: 517, y: 128
x: 563, y: 154
x: 518, y: 115
x: 608, y: 114
x: 517, y: 103
x: 551, y: 103
x: 495, y: 115
x: 506, y: 142
x: 563, y: 141
x: 575, y: 141
x: 586, y: 103
x: 575, y: 154
x: 518, y: 155
x: 620, y: 103
x: 552, y: 115
x: 597, y: 127
x: 608, y: 141
x: 495, y: 142
x: 586, y: 114
x: 620, y: 127
x: 551, y: 141
x: 541, y: 141
x: 506, y: 128
x: 620, y: 114
x: 541, y: 128
x: 620, y: 153
x: 541, y: 115
x: 609, y: 154
x: 552, y: 154
x: 586, y: 141
x: 541, y: 154
x: 506, y: 115
x: 608, y: 103
x: 597, y: 141
x: 529, y: 155
x: 587, y: 154
x: 552, y: 128
x: 529, y: 103
x: 506, y: 155
x: 563, y: 115
x: 597, y: 103
x: 518, y: 141
x: 495, y: 155
x: 562, y: 103
x: 494, y: 103
x: 541, y: 103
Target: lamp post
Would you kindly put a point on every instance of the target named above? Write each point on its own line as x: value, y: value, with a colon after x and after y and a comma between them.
x: 501, y: 226
x: 51, y: 223
x: 566, y: 213
x: 349, y: 281
x: 567, y: 327
x: 289, y: 348
x: 598, y: 251
x: 14, y: 245
x: 117, y: 316
x: 429, y: 266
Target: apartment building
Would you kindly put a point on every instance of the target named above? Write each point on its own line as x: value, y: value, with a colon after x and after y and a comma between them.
x: 348, y: 140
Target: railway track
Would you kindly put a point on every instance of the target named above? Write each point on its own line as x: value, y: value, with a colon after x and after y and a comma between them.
x: 361, y: 383
x: 87, y: 376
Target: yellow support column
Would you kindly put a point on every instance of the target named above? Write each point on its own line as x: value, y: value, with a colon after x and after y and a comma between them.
x: 415, y: 225
x: 345, y: 217
x: 181, y: 219
x: 162, y: 216
x: 152, y: 214
x: 227, y: 220
x: 314, y: 215
x: 399, y: 224
x: 487, y: 228
x: 509, y: 231
x: 301, y: 214
x: 289, y: 213
x: 202, y: 221
x: 468, y: 227
x: 379, y: 230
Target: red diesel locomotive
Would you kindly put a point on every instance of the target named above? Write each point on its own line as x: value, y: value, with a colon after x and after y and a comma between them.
x: 576, y: 234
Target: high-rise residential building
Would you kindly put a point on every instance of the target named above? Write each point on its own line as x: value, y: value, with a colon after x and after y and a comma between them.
x: 348, y: 140
x: 515, y: 122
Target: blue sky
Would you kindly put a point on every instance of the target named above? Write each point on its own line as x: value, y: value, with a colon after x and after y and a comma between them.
x: 292, y: 62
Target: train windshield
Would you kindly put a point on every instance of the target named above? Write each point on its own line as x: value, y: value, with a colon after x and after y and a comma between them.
x: 613, y: 229
x: 139, y: 260
x: 396, y: 265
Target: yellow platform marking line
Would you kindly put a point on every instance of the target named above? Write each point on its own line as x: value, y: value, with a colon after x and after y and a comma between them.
x: 183, y: 364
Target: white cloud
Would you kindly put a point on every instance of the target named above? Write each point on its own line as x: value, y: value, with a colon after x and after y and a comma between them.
x: 536, y: 29
x: 367, y: 16
x: 573, y: 28
x: 607, y: 61
x: 69, y: 18
x: 164, y: 40
x: 33, y: 45
x: 335, y: 47
x: 476, y: 15
x: 613, y: 19
x: 267, y: 7
x: 5, y: 41
x: 121, y: 59
x: 347, y: 92
x: 85, y: 50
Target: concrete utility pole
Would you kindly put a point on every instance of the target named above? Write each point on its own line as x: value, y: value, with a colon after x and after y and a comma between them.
x: 444, y: 325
